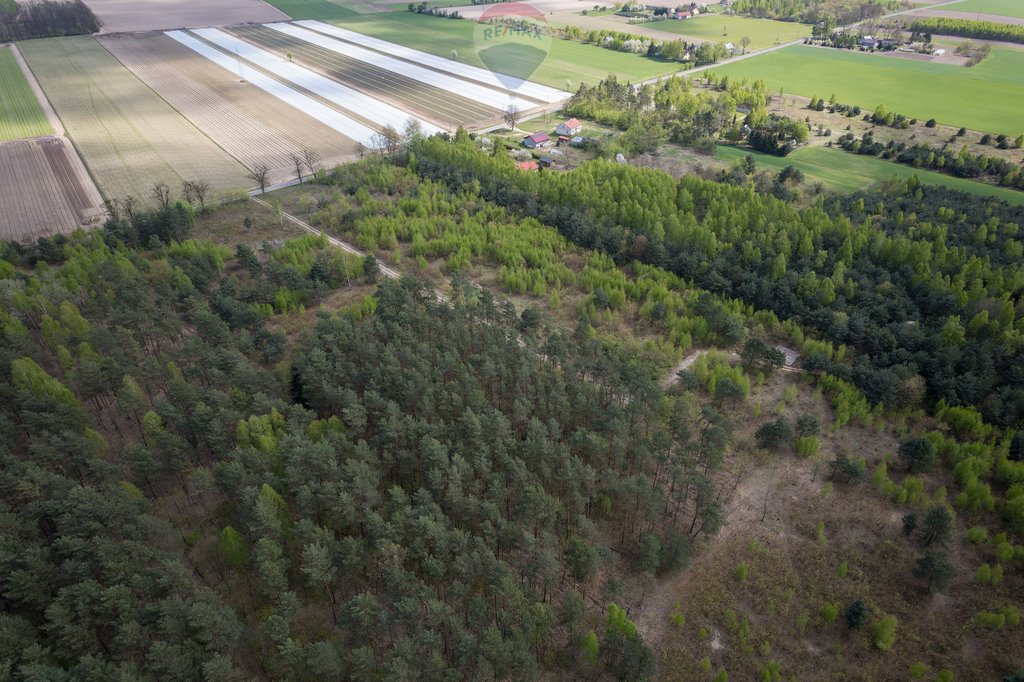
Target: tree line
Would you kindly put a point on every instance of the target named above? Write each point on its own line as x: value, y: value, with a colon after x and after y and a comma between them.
x: 962, y: 164
x: 45, y: 19
x: 968, y: 28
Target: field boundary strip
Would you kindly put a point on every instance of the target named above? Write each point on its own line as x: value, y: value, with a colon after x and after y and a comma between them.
x: 352, y: 100
x: 524, y: 88
x: 491, y: 97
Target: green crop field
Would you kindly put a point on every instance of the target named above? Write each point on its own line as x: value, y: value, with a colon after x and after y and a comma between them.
x: 322, y: 10
x: 845, y: 172
x: 1005, y: 8
x: 731, y: 29
x: 567, y: 60
x: 21, y: 116
x: 988, y: 97
x: 129, y: 137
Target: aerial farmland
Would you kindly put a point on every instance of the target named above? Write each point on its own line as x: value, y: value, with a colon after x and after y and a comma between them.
x: 225, y: 105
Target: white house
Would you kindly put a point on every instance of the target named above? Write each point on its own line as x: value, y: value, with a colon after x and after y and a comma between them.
x: 569, y: 128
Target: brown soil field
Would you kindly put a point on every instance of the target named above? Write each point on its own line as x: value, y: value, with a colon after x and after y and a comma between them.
x: 248, y: 123
x: 43, y: 193
x: 150, y: 15
x: 443, y: 108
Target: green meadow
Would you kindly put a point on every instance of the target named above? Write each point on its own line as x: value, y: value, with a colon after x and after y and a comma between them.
x: 1005, y: 8
x: 21, y: 116
x: 731, y: 29
x: 988, y: 97
x: 845, y: 172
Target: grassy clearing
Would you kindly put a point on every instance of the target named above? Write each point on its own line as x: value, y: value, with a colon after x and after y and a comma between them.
x: 845, y: 172
x: 567, y: 61
x: 729, y: 29
x: 21, y: 116
x: 129, y: 137
x: 1004, y: 8
x: 987, y: 97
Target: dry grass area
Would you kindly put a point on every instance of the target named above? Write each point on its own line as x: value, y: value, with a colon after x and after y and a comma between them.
x: 773, y: 505
x: 150, y: 15
x: 226, y: 225
x: 128, y: 136
x: 44, y: 190
x: 250, y: 124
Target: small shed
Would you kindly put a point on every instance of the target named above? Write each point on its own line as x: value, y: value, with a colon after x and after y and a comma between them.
x: 546, y: 161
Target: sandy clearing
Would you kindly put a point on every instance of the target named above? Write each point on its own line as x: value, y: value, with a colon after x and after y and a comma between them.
x: 541, y: 93
x: 250, y: 124
x: 42, y: 194
x: 498, y: 100
x: 973, y: 16
x: 151, y: 15
x: 325, y: 88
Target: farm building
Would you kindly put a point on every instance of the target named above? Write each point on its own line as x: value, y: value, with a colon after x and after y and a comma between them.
x: 569, y: 128
x: 546, y: 162
x: 537, y: 140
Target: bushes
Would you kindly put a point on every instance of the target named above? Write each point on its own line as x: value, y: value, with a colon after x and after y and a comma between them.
x: 883, y: 633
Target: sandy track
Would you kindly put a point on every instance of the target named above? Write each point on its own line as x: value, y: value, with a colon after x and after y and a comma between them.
x: 41, y: 193
x: 152, y: 15
x: 249, y: 124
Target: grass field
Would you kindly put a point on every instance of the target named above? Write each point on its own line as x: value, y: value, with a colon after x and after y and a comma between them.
x: 129, y: 137
x: 21, y: 116
x: 1005, y: 8
x: 731, y: 29
x: 988, y: 97
x: 567, y: 61
x: 845, y: 172
x: 324, y: 10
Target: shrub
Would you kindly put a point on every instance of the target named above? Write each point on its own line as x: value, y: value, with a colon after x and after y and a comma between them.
x: 883, y: 633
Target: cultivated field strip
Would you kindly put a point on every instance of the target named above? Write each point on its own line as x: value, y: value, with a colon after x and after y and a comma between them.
x: 129, y: 137
x: 496, y: 99
x: 252, y: 125
x: 535, y: 91
x: 330, y: 90
x: 21, y: 116
x: 431, y: 102
x: 41, y: 194
x: 343, y: 124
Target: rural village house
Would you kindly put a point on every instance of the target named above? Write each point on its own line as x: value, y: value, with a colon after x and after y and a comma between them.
x: 569, y: 128
x: 537, y: 140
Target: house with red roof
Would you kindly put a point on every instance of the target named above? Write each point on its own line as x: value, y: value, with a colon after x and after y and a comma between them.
x: 569, y: 128
x: 537, y: 140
